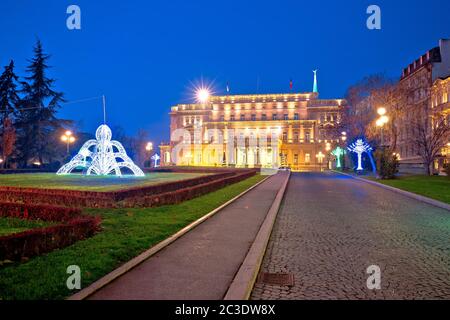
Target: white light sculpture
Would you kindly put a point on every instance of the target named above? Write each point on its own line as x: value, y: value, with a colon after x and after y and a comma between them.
x: 156, y: 158
x: 100, y: 156
x: 359, y: 147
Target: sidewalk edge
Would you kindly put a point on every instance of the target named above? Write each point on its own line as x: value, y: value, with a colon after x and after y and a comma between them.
x: 244, y: 280
x: 415, y: 196
x: 116, y: 273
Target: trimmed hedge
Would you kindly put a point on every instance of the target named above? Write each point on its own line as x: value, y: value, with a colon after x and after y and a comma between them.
x: 95, y: 199
x: 184, y: 194
x: 38, y: 212
x: 38, y: 241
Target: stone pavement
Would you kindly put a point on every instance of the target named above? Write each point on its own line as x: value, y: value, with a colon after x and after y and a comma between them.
x: 202, y: 263
x: 330, y: 228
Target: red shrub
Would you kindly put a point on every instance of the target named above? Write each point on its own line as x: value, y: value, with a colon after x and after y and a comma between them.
x: 39, y: 241
x: 184, y: 194
x: 38, y: 212
x: 92, y: 199
x: 33, y: 242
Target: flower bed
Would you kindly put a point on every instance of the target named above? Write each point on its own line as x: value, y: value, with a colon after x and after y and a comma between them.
x: 74, y: 227
x: 94, y: 199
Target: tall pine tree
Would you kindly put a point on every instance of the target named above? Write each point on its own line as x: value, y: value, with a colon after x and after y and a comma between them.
x: 37, y: 117
x: 9, y: 98
x: 9, y: 101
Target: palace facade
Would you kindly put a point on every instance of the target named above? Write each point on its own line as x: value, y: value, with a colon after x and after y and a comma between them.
x: 295, y: 130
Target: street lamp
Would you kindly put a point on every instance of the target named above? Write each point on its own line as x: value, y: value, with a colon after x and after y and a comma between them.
x: 343, y: 138
x: 381, y: 121
x: 149, y: 148
x: 68, y: 138
x: 203, y: 95
x: 381, y: 111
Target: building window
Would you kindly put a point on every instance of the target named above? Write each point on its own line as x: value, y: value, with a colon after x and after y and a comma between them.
x: 307, y: 136
x: 285, y: 117
x: 274, y: 117
x: 264, y: 117
x: 242, y: 117
x: 232, y: 117
x: 295, y: 116
x: 295, y: 159
x: 284, y: 136
x: 253, y: 117
x: 307, y: 158
x: 222, y: 118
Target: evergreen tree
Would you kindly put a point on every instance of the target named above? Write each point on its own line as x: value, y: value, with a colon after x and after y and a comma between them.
x: 37, y: 117
x: 9, y: 100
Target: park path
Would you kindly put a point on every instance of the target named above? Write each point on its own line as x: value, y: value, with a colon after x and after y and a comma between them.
x: 202, y: 263
x: 331, y: 227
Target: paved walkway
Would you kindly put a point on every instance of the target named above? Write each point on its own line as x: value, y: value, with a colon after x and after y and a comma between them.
x: 330, y: 228
x: 202, y: 263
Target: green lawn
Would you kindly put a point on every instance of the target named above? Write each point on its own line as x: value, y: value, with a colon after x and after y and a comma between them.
x: 126, y: 233
x: 436, y: 187
x: 91, y: 183
x: 14, y: 225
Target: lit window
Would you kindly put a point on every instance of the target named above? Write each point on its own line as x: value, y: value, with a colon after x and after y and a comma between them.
x: 307, y: 158
x: 296, y: 116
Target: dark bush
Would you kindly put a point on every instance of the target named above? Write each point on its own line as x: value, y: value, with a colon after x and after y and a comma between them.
x: 387, y: 163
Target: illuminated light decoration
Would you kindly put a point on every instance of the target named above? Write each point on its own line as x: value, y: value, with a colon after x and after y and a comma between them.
x: 338, y: 153
x: 359, y: 147
x: 99, y: 157
x: 155, y: 158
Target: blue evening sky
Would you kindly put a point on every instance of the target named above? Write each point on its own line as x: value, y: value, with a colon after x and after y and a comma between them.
x: 146, y: 55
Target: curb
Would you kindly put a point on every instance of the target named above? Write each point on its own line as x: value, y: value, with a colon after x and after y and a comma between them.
x: 242, y: 284
x: 100, y: 283
x: 412, y: 195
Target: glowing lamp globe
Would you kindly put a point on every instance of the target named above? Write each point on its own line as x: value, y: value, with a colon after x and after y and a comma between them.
x: 203, y: 95
x: 381, y: 111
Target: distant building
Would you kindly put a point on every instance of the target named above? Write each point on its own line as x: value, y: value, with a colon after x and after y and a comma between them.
x: 254, y: 130
x: 421, y: 81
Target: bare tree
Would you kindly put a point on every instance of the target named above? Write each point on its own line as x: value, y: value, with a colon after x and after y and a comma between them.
x: 429, y: 141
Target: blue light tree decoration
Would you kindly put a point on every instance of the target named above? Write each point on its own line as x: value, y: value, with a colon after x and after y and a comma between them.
x: 359, y: 147
x: 100, y: 156
x: 338, y: 153
x: 155, y: 158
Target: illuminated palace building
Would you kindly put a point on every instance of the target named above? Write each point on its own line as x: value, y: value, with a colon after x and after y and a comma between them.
x: 296, y: 130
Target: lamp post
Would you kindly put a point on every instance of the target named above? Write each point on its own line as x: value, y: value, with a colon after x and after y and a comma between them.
x: 343, y: 139
x: 149, y: 148
x: 68, y: 138
x: 381, y: 121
